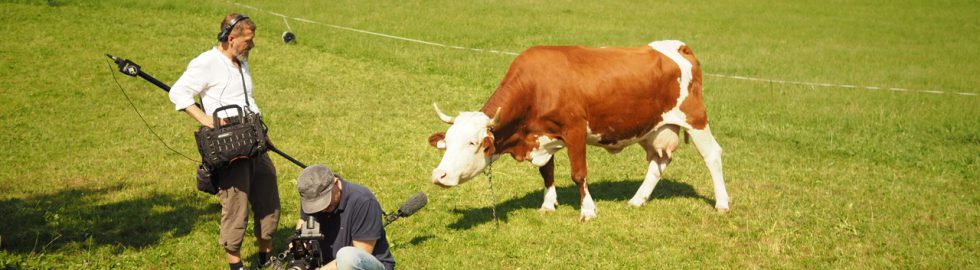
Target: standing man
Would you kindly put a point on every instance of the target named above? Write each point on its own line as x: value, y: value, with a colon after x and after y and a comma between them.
x: 350, y: 221
x: 221, y: 77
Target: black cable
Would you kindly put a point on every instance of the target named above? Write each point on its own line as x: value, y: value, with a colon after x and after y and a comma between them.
x: 144, y: 119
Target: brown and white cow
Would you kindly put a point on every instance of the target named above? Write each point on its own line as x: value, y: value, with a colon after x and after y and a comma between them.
x: 556, y: 97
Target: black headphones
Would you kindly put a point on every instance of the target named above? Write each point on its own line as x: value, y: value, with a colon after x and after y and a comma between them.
x: 225, y: 32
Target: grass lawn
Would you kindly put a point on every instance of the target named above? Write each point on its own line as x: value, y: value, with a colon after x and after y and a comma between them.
x: 820, y: 177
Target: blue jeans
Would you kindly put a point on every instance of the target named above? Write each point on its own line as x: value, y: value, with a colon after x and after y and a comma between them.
x: 349, y: 258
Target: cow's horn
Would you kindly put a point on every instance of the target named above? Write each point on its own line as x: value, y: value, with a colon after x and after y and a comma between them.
x: 496, y: 117
x: 442, y: 116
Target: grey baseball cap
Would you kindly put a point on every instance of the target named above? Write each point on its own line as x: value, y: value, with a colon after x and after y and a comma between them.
x: 315, y: 185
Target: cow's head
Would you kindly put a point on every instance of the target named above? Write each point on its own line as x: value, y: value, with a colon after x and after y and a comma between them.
x: 468, y: 144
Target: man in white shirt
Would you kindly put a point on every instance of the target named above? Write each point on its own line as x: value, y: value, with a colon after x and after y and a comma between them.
x: 221, y: 77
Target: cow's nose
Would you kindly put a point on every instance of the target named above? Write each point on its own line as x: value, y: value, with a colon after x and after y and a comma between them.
x: 437, y: 176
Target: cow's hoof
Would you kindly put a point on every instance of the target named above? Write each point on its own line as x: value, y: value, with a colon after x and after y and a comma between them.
x: 722, y: 210
x: 587, y: 215
x: 545, y: 209
x: 637, y: 202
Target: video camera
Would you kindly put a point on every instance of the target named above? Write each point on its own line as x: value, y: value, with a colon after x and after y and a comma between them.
x: 304, y: 251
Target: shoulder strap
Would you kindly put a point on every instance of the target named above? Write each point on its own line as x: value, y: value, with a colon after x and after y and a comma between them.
x: 244, y: 89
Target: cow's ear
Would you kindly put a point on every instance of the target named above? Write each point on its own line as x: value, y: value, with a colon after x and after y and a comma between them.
x: 438, y: 140
x: 487, y: 145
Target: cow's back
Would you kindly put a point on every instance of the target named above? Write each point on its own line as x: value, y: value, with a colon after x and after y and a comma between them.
x: 621, y: 92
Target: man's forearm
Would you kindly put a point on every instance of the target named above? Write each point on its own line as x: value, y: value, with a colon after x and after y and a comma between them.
x: 199, y: 115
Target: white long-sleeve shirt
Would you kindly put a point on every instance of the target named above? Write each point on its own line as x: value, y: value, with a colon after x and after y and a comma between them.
x: 215, y: 78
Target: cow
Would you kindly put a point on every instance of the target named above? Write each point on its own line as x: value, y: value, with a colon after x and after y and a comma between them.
x: 567, y: 97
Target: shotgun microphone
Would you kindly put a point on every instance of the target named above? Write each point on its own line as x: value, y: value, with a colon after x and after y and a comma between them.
x: 414, y: 203
x: 125, y: 66
x: 132, y: 69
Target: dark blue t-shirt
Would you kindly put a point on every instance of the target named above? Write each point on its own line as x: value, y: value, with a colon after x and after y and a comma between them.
x: 358, y: 217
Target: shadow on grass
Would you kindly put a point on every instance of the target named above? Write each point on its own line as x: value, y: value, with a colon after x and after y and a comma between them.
x: 569, y: 195
x: 420, y: 239
x: 79, y: 219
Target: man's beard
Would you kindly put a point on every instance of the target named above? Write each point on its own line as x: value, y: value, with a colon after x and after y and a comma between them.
x: 242, y: 56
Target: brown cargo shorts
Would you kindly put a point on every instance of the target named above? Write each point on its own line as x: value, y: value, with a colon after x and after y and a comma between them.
x: 247, y: 181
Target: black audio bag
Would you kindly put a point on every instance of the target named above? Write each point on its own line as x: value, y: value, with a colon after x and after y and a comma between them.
x: 242, y: 136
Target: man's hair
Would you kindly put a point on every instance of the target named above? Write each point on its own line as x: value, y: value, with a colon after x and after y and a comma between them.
x: 239, y: 27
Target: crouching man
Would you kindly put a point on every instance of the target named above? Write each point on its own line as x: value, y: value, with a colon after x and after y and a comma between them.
x: 350, y: 220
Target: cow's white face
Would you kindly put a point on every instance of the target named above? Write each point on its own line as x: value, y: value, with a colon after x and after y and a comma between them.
x: 468, y: 146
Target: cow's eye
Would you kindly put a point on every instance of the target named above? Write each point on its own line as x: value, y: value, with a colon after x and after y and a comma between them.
x: 473, y: 143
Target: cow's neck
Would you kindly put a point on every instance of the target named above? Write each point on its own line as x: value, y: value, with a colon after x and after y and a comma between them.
x: 503, y: 99
x: 510, y: 132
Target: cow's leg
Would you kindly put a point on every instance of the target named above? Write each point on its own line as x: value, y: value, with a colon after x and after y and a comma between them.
x: 711, y: 152
x: 550, y: 195
x: 658, y: 158
x: 575, y: 140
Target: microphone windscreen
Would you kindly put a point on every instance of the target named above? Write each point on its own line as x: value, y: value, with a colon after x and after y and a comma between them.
x: 413, y: 204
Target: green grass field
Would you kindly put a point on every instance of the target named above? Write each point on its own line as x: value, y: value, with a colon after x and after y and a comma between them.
x: 820, y: 177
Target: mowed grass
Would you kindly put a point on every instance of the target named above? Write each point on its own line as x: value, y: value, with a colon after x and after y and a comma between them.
x: 819, y: 177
